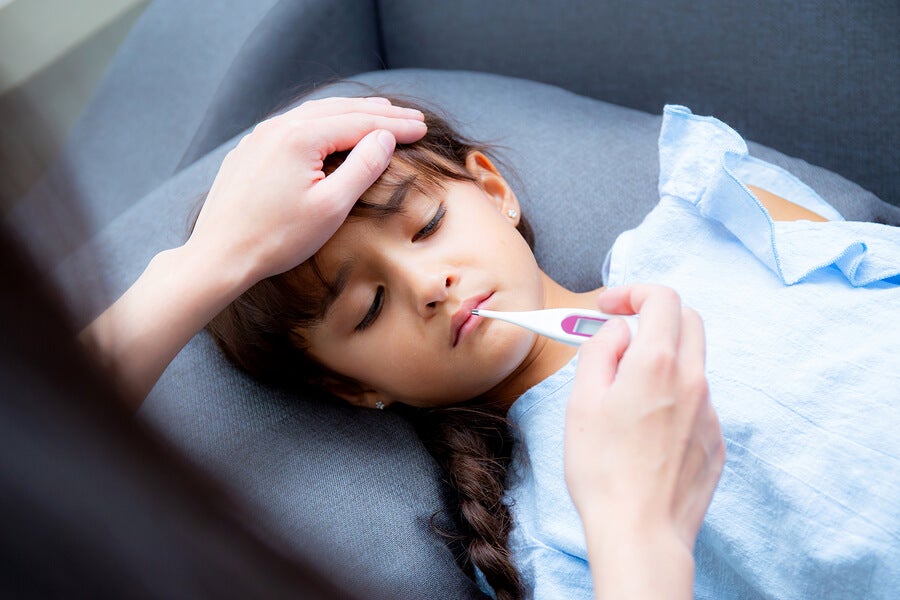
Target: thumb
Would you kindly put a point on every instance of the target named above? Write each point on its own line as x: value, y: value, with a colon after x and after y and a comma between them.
x: 365, y: 163
x: 598, y: 359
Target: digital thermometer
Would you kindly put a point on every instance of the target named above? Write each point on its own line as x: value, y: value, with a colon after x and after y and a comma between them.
x: 568, y: 325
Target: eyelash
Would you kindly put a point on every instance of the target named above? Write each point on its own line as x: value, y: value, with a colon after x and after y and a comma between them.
x: 433, y: 225
x: 375, y: 309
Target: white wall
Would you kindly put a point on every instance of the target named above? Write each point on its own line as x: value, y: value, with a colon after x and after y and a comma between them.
x: 53, y: 54
x: 36, y: 33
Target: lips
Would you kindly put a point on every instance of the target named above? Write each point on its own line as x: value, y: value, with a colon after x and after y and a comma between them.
x: 463, y: 320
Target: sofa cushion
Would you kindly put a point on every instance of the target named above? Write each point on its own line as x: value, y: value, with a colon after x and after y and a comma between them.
x: 353, y: 490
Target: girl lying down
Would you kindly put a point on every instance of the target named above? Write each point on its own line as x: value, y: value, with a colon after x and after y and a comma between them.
x: 800, y: 309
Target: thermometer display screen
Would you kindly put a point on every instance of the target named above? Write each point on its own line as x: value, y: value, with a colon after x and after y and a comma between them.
x: 587, y: 326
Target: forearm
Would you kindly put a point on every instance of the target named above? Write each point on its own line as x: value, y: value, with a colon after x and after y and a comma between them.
x: 639, y: 565
x: 180, y: 291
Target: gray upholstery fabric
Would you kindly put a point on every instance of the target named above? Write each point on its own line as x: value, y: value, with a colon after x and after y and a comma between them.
x: 815, y: 79
x: 276, y: 64
x: 354, y: 490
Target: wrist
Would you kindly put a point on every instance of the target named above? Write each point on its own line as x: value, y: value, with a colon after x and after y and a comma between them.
x: 638, y: 560
x: 195, y: 284
x: 178, y: 293
x: 203, y: 266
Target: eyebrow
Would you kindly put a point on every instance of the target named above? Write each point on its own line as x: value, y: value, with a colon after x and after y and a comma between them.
x: 395, y: 202
x: 336, y: 288
x: 381, y: 212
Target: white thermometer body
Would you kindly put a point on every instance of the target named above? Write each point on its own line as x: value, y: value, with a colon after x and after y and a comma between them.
x: 568, y: 325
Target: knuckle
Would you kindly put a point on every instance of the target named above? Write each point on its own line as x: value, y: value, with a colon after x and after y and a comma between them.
x: 296, y: 133
x: 697, y: 387
x: 368, y: 121
x: 315, y: 102
x: 691, y: 318
x: 295, y: 129
x: 655, y: 289
x: 661, y: 360
x: 668, y: 295
x: 689, y: 313
x: 718, y: 454
x: 372, y: 164
x: 266, y: 128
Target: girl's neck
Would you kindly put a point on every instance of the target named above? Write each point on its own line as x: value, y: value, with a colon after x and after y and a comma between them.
x: 546, y: 356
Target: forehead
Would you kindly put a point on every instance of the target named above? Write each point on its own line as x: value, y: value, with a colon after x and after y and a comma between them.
x: 412, y: 173
x: 325, y: 275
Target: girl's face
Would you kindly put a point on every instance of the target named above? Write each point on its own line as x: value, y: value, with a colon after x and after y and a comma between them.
x: 401, y: 324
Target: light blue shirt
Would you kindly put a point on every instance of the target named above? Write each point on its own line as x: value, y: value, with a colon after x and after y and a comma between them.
x: 803, y: 332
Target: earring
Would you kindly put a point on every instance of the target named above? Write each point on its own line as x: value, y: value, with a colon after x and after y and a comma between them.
x: 512, y: 213
x: 379, y: 405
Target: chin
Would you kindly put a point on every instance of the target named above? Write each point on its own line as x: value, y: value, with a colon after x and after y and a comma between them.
x: 514, y: 346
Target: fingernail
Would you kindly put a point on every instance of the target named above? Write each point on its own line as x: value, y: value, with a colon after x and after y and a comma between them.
x: 378, y: 100
x: 386, y: 140
x: 417, y: 114
x: 418, y: 124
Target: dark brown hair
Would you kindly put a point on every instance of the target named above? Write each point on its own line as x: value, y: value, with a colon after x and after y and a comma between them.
x: 263, y: 333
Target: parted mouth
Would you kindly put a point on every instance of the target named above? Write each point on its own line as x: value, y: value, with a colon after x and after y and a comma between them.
x: 463, y: 317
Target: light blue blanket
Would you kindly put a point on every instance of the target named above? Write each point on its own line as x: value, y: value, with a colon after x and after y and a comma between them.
x: 803, y: 328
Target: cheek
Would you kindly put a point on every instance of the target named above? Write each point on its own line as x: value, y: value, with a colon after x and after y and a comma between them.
x: 387, y: 362
x: 503, y: 347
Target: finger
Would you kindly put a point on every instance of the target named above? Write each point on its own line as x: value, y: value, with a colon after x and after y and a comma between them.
x: 700, y: 478
x: 692, y: 345
x: 365, y: 163
x: 629, y: 299
x: 329, y: 107
x: 659, y: 308
x: 616, y: 300
x: 598, y: 358
x: 342, y: 132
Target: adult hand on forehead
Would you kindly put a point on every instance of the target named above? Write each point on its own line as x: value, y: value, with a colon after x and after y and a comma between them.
x: 269, y: 209
x: 643, y: 447
x: 271, y: 206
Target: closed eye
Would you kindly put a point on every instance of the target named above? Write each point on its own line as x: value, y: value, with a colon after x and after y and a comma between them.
x: 374, y: 309
x: 432, y: 225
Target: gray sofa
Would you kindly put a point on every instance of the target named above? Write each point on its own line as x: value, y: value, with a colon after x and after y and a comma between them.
x: 570, y: 93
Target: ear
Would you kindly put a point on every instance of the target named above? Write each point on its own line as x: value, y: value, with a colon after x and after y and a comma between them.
x: 356, y: 394
x: 494, y: 185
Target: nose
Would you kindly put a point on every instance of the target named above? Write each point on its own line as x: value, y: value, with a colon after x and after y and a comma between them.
x: 428, y: 286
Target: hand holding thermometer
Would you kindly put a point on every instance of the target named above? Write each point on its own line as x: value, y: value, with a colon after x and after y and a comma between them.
x: 568, y: 325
